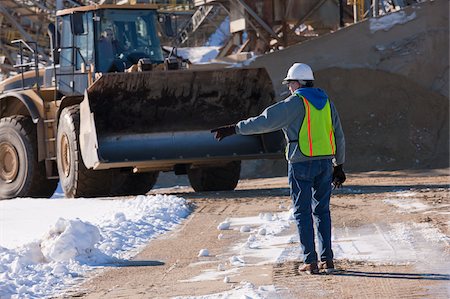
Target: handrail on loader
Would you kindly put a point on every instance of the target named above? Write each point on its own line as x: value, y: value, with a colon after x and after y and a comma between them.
x: 22, y: 65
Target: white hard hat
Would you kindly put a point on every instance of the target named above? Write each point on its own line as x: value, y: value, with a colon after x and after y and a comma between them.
x: 299, y: 72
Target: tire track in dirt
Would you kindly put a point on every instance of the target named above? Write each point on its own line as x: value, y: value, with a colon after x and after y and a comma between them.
x: 353, y: 280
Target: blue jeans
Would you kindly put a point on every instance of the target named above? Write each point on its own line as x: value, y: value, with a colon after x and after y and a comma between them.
x: 310, y: 184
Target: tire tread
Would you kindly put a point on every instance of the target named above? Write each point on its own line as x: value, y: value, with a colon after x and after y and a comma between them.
x: 37, y: 185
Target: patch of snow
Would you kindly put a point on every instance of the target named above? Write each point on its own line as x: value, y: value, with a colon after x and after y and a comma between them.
x: 203, y: 252
x: 388, y: 21
x: 418, y: 244
x: 212, y: 274
x: 262, y: 231
x: 399, y: 243
x: 431, y: 234
x: 237, y: 261
x: 244, y: 290
x: 407, y: 205
x: 62, y: 242
x: 245, y: 229
x: 201, y: 263
x: 198, y: 55
x: 405, y: 194
x: 223, y: 226
x: 245, y: 62
x: 53, y: 243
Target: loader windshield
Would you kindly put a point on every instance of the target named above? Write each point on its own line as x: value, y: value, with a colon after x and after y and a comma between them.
x: 125, y: 36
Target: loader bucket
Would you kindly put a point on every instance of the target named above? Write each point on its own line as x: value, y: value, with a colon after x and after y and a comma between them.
x: 167, y: 115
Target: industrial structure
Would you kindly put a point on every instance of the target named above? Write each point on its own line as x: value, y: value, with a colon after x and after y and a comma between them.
x: 257, y: 26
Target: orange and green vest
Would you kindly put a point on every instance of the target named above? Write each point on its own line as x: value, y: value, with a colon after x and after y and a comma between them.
x: 316, y: 135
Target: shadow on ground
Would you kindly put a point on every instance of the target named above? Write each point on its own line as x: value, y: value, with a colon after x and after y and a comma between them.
x: 277, y: 192
x: 424, y: 276
x: 129, y: 263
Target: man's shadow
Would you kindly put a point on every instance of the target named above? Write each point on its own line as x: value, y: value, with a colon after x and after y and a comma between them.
x: 413, y: 276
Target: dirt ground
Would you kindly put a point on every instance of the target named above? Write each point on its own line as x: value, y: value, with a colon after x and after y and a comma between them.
x: 165, y: 267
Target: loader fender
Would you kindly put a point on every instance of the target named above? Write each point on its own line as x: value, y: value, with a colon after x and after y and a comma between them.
x: 33, y: 111
x: 66, y: 102
x: 26, y: 101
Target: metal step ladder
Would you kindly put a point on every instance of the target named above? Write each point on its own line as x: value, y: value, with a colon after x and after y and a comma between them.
x: 50, y: 131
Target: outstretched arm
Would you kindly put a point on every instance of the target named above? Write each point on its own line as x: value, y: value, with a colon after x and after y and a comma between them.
x: 272, y: 119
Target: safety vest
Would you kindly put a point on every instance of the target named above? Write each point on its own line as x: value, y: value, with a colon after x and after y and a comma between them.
x: 316, y: 135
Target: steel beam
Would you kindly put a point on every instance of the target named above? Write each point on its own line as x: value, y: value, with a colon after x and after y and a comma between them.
x: 22, y: 31
x: 312, y: 11
x: 259, y: 20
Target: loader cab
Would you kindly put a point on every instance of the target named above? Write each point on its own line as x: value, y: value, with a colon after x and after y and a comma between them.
x: 124, y: 37
x: 103, y: 39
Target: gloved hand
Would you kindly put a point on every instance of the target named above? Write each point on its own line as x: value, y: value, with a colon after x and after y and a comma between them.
x: 225, y: 131
x: 338, y: 176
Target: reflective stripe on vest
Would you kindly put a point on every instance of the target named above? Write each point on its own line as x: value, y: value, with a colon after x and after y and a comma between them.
x: 316, y: 135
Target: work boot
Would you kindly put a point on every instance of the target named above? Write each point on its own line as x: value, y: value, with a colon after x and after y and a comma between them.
x: 309, y: 268
x: 327, y: 265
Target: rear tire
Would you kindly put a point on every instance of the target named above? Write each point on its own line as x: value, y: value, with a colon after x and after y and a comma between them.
x: 136, y: 184
x: 21, y: 174
x: 76, y: 180
x: 219, y: 178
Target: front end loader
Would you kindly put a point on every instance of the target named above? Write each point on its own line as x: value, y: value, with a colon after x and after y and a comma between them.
x: 112, y: 112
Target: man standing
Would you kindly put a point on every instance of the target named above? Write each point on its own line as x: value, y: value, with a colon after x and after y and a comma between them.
x: 314, y: 136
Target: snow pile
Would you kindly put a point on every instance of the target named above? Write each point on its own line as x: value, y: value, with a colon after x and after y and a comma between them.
x: 86, y: 240
x: 203, y: 252
x: 63, y: 242
x: 388, y: 21
x: 224, y: 225
x: 199, y: 55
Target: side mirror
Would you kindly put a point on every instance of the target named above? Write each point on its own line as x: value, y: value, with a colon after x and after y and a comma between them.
x: 77, y: 24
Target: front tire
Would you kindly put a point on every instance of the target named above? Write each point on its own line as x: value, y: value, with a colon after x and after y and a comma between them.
x: 219, y: 178
x: 76, y: 180
x: 135, y: 183
x: 21, y: 174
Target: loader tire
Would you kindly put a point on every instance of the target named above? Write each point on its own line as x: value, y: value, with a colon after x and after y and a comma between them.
x: 21, y: 174
x: 219, y: 178
x: 136, y: 184
x: 76, y: 180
